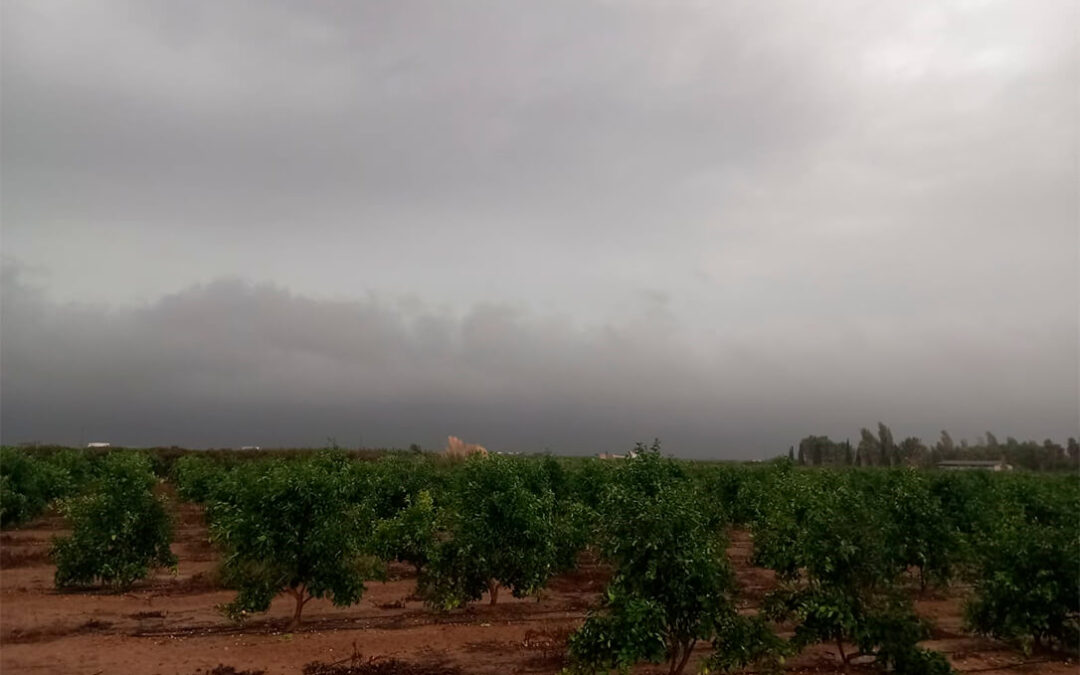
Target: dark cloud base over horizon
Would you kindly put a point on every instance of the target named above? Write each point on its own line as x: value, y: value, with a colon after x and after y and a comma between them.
x: 232, y: 363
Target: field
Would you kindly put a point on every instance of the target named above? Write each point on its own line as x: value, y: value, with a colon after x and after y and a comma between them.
x: 171, y: 622
x: 168, y: 625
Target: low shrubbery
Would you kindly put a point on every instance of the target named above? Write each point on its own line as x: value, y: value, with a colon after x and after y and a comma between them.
x: 1026, y: 568
x: 503, y: 526
x: 291, y: 528
x: 30, y: 481
x: 672, y: 587
x: 120, y: 528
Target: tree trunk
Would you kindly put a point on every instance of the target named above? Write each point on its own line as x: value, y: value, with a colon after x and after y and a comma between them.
x: 493, y: 589
x: 297, y: 593
x: 689, y: 649
x: 843, y: 656
x: 674, y: 660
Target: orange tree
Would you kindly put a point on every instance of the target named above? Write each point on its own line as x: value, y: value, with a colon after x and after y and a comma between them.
x: 120, y: 529
x: 672, y: 587
x: 197, y: 477
x: 828, y: 538
x: 404, y: 493
x: 30, y: 481
x: 409, y: 535
x: 502, y: 526
x: 291, y: 527
x: 923, y: 536
x: 1025, y: 571
x: 394, y: 482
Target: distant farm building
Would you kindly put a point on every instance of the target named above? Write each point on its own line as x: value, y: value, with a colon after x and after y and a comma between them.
x: 455, y: 447
x: 974, y: 465
x: 99, y: 444
x: 612, y: 455
x: 250, y: 447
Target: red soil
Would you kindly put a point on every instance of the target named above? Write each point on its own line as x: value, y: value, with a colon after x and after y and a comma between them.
x: 168, y: 625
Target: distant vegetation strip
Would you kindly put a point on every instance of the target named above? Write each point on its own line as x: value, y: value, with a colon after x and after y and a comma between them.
x: 881, y: 449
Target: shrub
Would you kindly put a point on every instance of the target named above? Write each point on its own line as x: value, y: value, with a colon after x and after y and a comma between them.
x: 394, y: 483
x: 830, y: 544
x: 120, y: 529
x: 290, y: 527
x: 923, y: 537
x: 672, y: 587
x: 28, y: 482
x: 503, y: 527
x: 196, y: 478
x: 408, y: 536
x: 1027, y: 585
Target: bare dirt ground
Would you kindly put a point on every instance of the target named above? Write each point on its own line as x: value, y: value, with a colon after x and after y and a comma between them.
x: 168, y: 625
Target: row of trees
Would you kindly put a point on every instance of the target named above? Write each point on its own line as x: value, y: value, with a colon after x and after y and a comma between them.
x: 846, y: 542
x: 121, y: 529
x: 881, y: 449
x: 29, y: 482
x: 322, y: 527
x: 848, y: 546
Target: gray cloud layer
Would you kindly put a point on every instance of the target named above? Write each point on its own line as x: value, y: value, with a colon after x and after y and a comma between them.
x: 231, y: 363
x: 566, y: 224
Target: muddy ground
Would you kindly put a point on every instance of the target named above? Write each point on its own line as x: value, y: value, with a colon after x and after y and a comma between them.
x: 168, y: 625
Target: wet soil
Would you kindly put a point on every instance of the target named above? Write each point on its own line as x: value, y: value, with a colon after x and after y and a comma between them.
x: 170, y: 625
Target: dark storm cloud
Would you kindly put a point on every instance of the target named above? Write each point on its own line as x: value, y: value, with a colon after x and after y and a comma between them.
x: 231, y: 363
x: 391, y: 99
x: 488, y: 133
x: 566, y: 224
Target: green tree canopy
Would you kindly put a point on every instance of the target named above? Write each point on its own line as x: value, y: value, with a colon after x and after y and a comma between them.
x: 293, y: 528
x: 829, y: 541
x: 672, y: 587
x: 503, y: 527
x: 120, y: 529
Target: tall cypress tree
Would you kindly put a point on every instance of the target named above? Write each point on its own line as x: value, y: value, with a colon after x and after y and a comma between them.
x: 887, y: 446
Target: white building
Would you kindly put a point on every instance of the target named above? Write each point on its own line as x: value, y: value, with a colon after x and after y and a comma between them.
x: 974, y: 465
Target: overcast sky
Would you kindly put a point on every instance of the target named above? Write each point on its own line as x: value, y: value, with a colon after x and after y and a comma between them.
x: 538, y: 225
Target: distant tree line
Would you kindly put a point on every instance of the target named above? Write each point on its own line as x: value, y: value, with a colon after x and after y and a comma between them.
x: 881, y: 449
